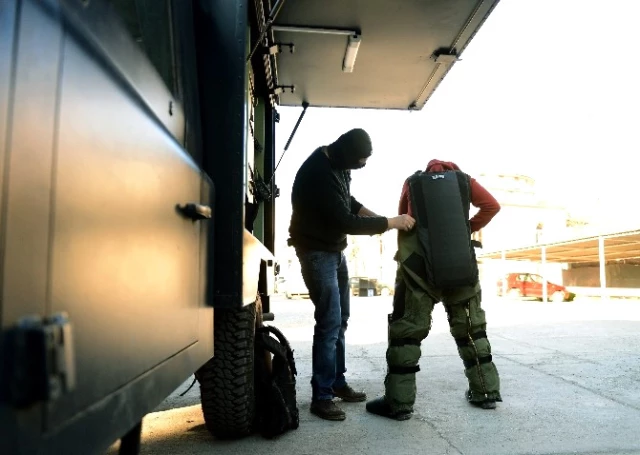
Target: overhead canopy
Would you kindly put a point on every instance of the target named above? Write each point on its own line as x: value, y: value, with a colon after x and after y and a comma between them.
x: 618, y: 246
x: 406, y: 48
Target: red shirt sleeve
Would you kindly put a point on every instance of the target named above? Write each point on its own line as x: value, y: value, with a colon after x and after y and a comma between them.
x: 404, y: 207
x: 487, y: 204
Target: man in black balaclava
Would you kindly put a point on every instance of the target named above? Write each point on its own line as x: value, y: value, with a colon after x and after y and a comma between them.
x: 351, y: 150
x: 324, y: 213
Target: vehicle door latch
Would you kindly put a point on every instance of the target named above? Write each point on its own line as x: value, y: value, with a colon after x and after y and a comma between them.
x: 195, y: 211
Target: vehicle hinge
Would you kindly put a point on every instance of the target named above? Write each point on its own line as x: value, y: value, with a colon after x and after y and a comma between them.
x: 276, y: 48
x: 446, y: 56
x: 283, y: 88
x: 39, y: 361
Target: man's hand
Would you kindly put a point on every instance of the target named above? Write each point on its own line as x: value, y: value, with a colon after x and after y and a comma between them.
x: 402, y: 222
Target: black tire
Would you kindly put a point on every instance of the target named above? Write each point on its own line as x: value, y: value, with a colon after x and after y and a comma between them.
x: 226, y: 381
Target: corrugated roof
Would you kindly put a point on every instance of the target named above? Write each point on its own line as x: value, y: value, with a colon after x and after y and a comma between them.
x: 617, y: 246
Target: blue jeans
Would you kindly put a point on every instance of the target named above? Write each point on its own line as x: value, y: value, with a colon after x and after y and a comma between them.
x: 327, y: 279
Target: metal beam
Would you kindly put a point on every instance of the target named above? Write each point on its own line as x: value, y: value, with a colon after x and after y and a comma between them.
x: 504, y: 272
x: 603, y: 269
x: 545, y: 293
x: 221, y: 30
x: 270, y: 116
x: 270, y: 119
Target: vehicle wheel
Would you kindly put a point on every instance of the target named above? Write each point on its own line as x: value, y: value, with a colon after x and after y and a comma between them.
x: 557, y: 297
x: 514, y: 294
x: 385, y: 292
x: 227, y: 381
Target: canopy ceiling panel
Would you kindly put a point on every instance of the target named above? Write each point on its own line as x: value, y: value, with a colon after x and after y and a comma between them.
x: 396, y: 64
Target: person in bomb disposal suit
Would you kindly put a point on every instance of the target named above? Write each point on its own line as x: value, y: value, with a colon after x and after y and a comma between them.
x: 436, y: 263
x: 324, y: 212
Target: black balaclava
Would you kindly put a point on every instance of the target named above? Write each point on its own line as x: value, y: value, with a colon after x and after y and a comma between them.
x: 347, y: 151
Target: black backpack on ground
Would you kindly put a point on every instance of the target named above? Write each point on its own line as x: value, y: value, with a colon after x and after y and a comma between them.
x: 276, y: 405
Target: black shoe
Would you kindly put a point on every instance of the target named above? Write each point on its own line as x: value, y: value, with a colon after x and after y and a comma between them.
x: 380, y: 407
x: 327, y: 409
x: 346, y: 393
x: 488, y: 403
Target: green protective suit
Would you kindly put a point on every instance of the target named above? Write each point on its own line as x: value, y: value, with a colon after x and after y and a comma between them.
x: 410, y: 323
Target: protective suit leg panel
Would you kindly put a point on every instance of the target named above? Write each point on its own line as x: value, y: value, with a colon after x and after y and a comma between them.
x: 468, y: 327
x: 409, y: 324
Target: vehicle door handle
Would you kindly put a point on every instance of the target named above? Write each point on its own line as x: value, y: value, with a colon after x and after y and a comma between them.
x: 195, y: 211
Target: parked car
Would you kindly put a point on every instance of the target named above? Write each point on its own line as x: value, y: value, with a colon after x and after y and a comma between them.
x: 295, y: 287
x: 529, y: 285
x: 280, y: 285
x: 369, y: 287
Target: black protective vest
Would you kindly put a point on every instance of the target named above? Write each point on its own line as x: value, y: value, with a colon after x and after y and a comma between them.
x: 441, y: 203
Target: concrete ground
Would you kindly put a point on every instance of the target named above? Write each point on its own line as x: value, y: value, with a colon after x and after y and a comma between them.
x: 570, y: 377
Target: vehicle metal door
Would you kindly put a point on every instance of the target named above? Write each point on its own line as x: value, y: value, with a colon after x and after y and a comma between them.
x: 521, y: 283
x: 92, y: 226
x: 124, y: 261
x: 27, y: 106
x: 535, y: 286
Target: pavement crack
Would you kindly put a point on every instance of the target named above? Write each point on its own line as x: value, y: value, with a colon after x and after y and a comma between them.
x: 440, y: 434
x: 555, y: 351
x: 569, y: 381
x: 373, y: 361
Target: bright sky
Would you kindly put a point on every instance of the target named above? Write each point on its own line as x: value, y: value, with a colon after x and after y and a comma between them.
x: 547, y: 88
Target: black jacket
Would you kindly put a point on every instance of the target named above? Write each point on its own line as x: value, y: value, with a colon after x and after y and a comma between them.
x: 324, y: 211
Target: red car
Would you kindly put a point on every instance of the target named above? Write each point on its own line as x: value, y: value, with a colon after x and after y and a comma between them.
x: 520, y: 285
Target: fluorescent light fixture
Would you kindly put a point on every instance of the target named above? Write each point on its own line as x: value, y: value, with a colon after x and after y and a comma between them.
x: 351, y: 53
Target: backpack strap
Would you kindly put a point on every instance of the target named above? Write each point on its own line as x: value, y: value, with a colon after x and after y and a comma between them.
x: 417, y: 200
x: 279, y: 335
x: 464, y: 182
x: 271, y: 345
x: 280, y: 347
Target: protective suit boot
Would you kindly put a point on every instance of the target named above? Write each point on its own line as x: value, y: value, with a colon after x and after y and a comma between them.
x: 380, y: 407
x: 489, y: 403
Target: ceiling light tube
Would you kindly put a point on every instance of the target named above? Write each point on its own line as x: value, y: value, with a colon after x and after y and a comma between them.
x: 351, y: 53
x: 309, y: 29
